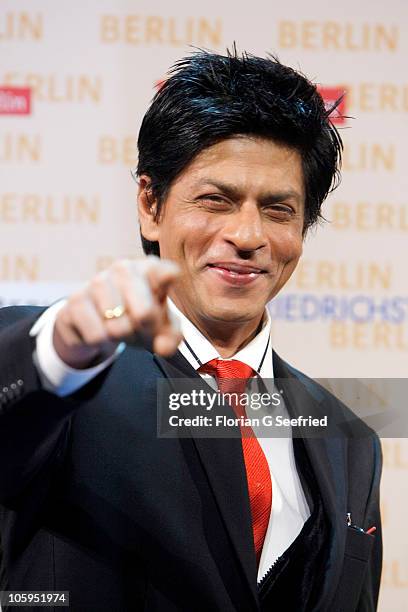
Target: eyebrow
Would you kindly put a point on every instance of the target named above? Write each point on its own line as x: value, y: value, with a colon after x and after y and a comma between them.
x: 266, y: 198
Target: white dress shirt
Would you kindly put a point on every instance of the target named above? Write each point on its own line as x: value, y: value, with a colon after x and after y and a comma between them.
x: 289, y: 507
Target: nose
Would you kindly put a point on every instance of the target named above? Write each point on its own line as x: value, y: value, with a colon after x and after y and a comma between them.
x: 245, y: 228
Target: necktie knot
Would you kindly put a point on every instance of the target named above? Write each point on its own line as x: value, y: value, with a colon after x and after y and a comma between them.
x: 231, y: 375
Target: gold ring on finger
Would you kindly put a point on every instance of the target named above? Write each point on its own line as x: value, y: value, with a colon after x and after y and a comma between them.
x: 114, y: 313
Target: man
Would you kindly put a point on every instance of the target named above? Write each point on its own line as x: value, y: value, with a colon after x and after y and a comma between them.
x: 236, y: 155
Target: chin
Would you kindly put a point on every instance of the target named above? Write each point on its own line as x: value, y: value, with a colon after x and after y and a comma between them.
x: 233, y: 313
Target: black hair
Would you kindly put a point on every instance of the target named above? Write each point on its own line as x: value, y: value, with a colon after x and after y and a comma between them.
x: 210, y: 97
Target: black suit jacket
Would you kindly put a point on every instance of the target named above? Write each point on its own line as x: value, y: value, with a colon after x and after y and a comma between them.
x: 94, y: 503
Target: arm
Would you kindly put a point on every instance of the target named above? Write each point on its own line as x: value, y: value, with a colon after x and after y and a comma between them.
x: 31, y: 420
x: 34, y: 422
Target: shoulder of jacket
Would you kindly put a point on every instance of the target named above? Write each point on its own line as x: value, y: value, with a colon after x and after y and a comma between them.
x: 353, y: 425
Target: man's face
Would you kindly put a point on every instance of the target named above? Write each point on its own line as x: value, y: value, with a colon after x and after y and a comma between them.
x: 233, y: 222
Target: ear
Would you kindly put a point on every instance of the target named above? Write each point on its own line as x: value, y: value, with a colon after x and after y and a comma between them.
x: 147, y: 207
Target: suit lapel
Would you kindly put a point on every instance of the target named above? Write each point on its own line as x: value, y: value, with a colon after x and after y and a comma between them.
x: 328, y: 458
x: 223, y: 462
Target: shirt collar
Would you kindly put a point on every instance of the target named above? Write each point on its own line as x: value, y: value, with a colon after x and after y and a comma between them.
x: 251, y: 354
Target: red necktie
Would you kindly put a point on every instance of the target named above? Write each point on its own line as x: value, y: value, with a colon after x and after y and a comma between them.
x: 232, y: 377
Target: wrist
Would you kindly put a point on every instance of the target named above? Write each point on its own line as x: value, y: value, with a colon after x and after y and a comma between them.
x: 82, y: 356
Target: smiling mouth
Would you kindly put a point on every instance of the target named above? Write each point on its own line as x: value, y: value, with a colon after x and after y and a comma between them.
x: 237, y: 269
x: 235, y: 275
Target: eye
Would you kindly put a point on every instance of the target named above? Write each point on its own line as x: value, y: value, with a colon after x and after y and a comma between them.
x: 215, y: 197
x: 280, y: 211
x: 215, y: 201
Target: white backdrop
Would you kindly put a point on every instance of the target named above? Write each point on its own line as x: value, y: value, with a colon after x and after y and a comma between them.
x: 67, y: 201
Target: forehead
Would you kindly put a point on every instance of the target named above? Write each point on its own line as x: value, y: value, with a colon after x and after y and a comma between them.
x: 251, y: 163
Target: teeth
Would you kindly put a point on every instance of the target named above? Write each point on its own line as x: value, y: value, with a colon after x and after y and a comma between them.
x: 232, y: 271
x: 235, y: 272
x: 241, y: 272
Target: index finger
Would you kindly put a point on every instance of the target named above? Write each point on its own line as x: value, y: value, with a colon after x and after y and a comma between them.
x: 159, y: 273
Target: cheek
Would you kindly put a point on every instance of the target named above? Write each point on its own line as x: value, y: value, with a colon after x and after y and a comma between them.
x: 287, y: 248
x: 189, y: 234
